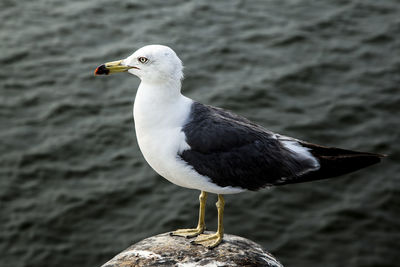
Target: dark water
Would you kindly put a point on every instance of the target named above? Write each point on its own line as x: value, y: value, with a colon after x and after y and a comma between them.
x: 74, y: 188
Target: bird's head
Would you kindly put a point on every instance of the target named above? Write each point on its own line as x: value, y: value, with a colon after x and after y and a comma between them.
x: 152, y: 63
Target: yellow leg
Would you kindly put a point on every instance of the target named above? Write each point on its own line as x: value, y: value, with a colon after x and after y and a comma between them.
x: 213, y: 240
x: 201, y: 224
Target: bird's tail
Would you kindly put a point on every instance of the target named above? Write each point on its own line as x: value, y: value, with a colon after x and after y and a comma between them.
x: 336, y: 161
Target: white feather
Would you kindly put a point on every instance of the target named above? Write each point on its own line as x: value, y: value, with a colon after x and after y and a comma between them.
x: 299, y: 151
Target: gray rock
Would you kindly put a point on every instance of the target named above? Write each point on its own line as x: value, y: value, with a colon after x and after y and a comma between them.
x: 166, y: 250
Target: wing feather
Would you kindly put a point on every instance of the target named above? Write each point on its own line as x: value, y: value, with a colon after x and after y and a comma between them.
x: 232, y: 151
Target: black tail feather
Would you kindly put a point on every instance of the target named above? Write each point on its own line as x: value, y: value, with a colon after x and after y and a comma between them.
x: 335, y: 162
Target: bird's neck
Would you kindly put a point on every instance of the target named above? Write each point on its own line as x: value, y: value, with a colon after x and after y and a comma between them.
x: 165, y: 91
x: 160, y: 106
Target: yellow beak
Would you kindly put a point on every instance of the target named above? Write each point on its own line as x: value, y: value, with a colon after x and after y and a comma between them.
x: 112, y: 67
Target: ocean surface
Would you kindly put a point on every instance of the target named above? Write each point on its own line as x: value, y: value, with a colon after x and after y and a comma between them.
x: 74, y: 187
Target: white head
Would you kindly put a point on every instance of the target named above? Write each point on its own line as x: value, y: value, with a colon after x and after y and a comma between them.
x: 155, y: 63
x: 151, y: 63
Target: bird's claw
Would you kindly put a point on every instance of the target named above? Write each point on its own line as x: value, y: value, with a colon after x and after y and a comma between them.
x: 188, y: 233
x: 208, y: 240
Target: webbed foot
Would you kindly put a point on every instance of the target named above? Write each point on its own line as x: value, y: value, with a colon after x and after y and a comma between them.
x: 188, y: 233
x: 208, y: 240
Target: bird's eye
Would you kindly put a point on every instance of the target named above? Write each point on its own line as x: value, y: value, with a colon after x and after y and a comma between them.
x: 143, y: 59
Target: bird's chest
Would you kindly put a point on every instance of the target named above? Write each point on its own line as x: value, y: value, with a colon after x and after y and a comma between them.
x: 160, y: 148
x: 160, y: 137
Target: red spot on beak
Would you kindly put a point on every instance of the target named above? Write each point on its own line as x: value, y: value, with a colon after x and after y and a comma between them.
x: 101, y: 70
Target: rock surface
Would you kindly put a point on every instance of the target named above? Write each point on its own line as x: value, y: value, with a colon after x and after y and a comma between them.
x: 166, y: 250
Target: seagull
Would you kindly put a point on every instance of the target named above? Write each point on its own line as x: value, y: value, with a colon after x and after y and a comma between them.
x: 213, y: 150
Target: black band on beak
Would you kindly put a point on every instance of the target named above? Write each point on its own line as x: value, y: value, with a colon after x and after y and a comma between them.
x: 101, y: 70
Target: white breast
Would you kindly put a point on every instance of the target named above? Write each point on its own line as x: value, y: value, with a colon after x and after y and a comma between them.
x: 159, y: 116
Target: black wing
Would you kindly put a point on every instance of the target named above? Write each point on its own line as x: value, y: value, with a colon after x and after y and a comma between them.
x: 232, y: 151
